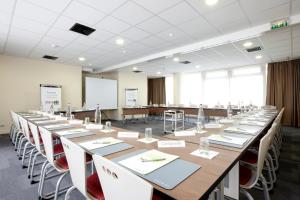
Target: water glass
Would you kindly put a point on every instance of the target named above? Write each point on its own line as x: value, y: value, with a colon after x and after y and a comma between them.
x: 148, y: 133
x: 86, y: 120
x: 108, y: 125
x: 204, y: 144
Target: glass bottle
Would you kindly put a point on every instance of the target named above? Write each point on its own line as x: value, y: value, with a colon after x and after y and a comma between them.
x: 68, y: 112
x: 98, y: 115
x: 229, y: 111
x: 201, y: 117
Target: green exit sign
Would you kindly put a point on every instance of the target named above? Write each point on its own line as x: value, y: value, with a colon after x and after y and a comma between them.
x: 279, y: 24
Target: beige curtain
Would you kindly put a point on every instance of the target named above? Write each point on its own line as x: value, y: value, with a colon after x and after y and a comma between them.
x: 283, y: 89
x: 156, y: 91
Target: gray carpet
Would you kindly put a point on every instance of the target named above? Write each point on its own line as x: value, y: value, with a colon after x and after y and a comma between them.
x: 14, y: 184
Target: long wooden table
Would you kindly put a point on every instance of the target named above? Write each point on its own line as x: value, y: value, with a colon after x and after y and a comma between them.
x: 132, y: 111
x: 201, y: 183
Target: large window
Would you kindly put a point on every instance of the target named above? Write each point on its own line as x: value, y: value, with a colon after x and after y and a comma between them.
x: 169, y: 90
x: 235, y: 85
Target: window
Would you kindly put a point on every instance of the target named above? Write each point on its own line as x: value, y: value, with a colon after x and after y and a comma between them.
x: 191, y: 87
x: 169, y: 90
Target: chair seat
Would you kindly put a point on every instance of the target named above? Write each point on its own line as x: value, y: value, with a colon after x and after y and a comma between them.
x: 63, y: 163
x: 58, y: 148
x: 250, y: 157
x: 94, y: 187
x: 245, y: 175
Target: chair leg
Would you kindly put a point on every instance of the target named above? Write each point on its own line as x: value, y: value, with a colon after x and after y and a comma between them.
x: 42, y: 176
x: 58, y: 185
x: 32, y: 167
x: 269, y: 175
x: 269, y: 157
x: 20, y: 146
x: 69, y: 192
x: 17, y: 139
x: 247, y: 194
x: 265, y: 186
x: 27, y: 145
x: 29, y: 162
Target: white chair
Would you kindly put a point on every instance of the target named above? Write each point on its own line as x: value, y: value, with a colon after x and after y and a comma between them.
x: 118, y: 183
x: 249, y: 176
x: 58, y: 164
x: 89, y: 186
x: 17, y: 136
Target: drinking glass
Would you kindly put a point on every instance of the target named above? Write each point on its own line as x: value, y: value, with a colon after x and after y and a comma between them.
x: 199, y: 127
x: 86, y: 120
x: 204, y: 144
x: 148, y: 133
x: 108, y: 125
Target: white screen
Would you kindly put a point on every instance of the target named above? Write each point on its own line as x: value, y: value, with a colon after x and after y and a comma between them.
x: 101, y: 91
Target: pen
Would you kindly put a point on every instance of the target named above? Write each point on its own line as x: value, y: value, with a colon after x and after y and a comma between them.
x: 152, y: 160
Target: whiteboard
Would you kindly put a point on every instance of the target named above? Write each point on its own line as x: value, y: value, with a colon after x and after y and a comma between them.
x: 131, y: 97
x: 50, y: 94
x: 101, y: 91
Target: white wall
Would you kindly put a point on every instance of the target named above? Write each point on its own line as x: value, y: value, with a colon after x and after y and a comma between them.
x: 20, y: 81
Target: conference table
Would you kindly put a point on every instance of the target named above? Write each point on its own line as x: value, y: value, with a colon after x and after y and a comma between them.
x: 202, y: 182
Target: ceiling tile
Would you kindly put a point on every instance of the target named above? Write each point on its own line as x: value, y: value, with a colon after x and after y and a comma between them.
x: 255, y: 6
x: 4, y: 19
x: 135, y: 34
x: 64, y: 23
x: 153, y: 41
x: 101, y: 35
x: 132, y: 13
x: 202, y: 8
x: 171, y: 34
x: 83, y: 13
x: 295, y: 7
x: 36, y: 13
x: 86, y: 41
x: 156, y: 6
x: 53, y: 5
x: 154, y: 25
x: 7, y: 6
x: 178, y: 14
x: 62, y: 34
x: 112, y: 25
x: 29, y: 25
x: 103, y: 5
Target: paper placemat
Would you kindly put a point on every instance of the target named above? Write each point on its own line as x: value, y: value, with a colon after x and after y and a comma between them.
x: 227, y: 140
x: 38, y: 118
x: 168, y: 176
x: 213, y: 125
x: 76, y: 135
x: 170, y: 143
x: 57, y: 126
x: 147, y: 140
x: 242, y: 130
x: 104, y: 151
x: 72, y: 131
x: 252, y: 123
x: 184, y: 133
x: 99, y: 143
x: 146, y: 162
x: 226, y: 121
x: 75, y: 122
x: 208, y: 154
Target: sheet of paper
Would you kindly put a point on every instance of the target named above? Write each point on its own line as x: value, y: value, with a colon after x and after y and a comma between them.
x: 260, y: 119
x: 228, y: 139
x: 94, y: 126
x: 122, y: 134
x: 108, y: 130
x: 58, y: 126
x: 233, y: 129
x: 208, y: 154
x: 98, y: 143
x: 72, y: 131
x: 75, y: 121
x: 211, y: 125
x: 148, y: 161
x: 38, y: 118
x: 185, y: 133
x: 170, y: 143
x: 147, y: 141
x: 226, y: 121
x: 46, y: 121
x: 253, y: 123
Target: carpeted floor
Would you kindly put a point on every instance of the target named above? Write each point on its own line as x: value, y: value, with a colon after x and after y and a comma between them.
x: 14, y: 184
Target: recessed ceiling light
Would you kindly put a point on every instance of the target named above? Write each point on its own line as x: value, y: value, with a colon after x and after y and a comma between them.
x: 247, y: 44
x: 134, y: 68
x: 176, y: 59
x: 258, y: 56
x: 197, y: 66
x: 81, y: 59
x: 158, y: 73
x: 211, y: 2
x: 120, y: 41
x: 170, y: 34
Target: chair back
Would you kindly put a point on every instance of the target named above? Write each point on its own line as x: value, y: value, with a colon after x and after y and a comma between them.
x: 25, y: 128
x: 263, y: 150
x: 48, y: 144
x: 76, y: 158
x: 15, y: 119
x: 36, y: 136
x: 119, y: 183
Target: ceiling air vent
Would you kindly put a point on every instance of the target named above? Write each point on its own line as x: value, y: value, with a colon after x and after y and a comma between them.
x: 254, y: 49
x: 50, y: 57
x: 137, y: 71
x: 185, y: 62
x: 82, y: 29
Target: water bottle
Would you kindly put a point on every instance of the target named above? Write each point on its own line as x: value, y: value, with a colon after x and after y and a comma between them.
x: 98, y: 115
x: 229, y: 111
x: 201, y: 117
x: 68, y: 112
x: 51, y: 110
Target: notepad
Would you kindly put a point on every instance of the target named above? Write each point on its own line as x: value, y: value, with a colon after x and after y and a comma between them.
x: 128, y: 134
x: 253, y: 123
x: 258, y: 119
x: 184, y: 133
x: 38, y: 118
x: 211, y: 125
x: 99, y: 143
x: 208, y: 154
x: 46, y: 121
x: 243, y: 130
x: 58, y: 126
x: 170, y: 143
x: 227, y: 140
x: 94, y: 126
x: 73, y: 131
x: 148, y: 161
